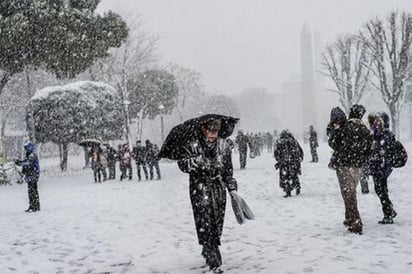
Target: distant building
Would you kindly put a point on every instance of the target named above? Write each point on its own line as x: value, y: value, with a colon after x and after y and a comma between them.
x: 308, y: 86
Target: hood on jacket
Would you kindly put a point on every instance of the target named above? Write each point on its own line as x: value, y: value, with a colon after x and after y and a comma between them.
x: 29, y: 146
x: 357, y: 111
x: 385, y: 118
x: 375, y: 122
x: 337, y: 116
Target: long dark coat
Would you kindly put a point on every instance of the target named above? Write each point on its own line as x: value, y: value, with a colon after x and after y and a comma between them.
x: 313, y: 140
x: 208, y: 183
x: 289, y: 155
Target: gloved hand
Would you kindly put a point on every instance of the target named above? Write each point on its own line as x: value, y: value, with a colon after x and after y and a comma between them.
x: 277, y: 166
x: 215, y: 168
x: 17, y: 161
x: 198, y: 163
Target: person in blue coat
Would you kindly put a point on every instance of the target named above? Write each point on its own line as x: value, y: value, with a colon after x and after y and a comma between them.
x: 31, y: 171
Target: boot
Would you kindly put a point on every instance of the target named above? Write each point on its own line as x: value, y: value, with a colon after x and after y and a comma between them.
x: 212, y: 257
x: 356, y: 227
x: 297, y: 191
x: 386, y: 220
x: 287, y: 194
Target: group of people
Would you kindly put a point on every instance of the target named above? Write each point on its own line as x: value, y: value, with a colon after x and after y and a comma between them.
x: 104, y: 157
x: 359, y: 152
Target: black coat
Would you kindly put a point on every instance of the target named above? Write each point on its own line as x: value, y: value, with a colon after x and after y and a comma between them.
x: 383, y: 145
x: 288, y: 154
x: 243, y: 142
x: 313, y: 139
x: 209, y: 179
x: 351, y: 143
x: 139, y: 154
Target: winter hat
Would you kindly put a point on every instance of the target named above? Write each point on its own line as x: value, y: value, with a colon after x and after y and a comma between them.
x: 385, y: 118
x: 337, y: 116
x: 357, y: 111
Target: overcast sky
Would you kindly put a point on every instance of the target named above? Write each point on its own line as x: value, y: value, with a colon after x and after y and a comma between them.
x: 239, y: 44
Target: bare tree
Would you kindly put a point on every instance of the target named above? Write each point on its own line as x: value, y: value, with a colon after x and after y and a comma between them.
x: 389, y: 42
x: 191, y: 91
x: 136, y: 54
x: 347, y: 63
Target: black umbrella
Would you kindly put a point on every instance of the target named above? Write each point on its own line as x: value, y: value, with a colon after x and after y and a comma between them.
x: 175, y: 145
x: 89, y: 142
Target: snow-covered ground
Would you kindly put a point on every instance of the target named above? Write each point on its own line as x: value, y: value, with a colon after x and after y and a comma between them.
x: 147, y: 227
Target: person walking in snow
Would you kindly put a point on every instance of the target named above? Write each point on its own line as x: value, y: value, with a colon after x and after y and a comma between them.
x: 98, y: 162
x: 242, y: 142
x: 210, y: 173
x: 313, y: 144
x: 380, y: 162
x: 125, y: 158
x: 31, y: 171
x: 111, y: 161
x: 289, y: 155
x: 140, y: 157
x: 351, y: 142
x: 151, y: 151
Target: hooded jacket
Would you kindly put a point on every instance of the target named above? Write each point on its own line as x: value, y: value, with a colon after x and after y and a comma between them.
x: 351, y: 143
x: 383, y: 141
x: 30, y: 165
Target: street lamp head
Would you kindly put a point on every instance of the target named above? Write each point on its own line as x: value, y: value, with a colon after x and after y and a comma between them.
x: 161, y: 107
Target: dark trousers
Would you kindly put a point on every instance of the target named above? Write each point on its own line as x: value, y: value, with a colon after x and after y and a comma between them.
x: 314, y: 153
x: 143, y: 166
x: 112, y: 170
x: 242, y: 158
x: 126, y: 168
x: 34, y: 199
x: 381, y: 189
x: 154, y: 164
x: 98, y: 171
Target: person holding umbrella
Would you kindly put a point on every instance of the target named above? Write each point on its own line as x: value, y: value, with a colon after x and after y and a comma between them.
x: 204, y: 154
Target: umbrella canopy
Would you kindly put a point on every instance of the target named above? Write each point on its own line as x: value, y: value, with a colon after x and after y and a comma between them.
x: 240, y: 208
x: 175, y: 145
x: 89, y: 142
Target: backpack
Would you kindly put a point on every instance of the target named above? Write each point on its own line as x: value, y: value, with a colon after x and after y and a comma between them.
x: 400, y: 156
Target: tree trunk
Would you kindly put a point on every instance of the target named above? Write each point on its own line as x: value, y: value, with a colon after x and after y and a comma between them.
x: 410, y: 120
x: 86, y: 157
x: 394, y: 112
x: 30, y: 115
x: 63, y: 156
x: 3, y: 81
x: 3, y: 158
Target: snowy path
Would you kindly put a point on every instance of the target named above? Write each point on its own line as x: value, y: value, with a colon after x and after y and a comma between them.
x: 147, y: 227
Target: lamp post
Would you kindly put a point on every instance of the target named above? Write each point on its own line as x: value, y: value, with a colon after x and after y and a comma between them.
x: 161, y: 108
x: 126, y: 110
